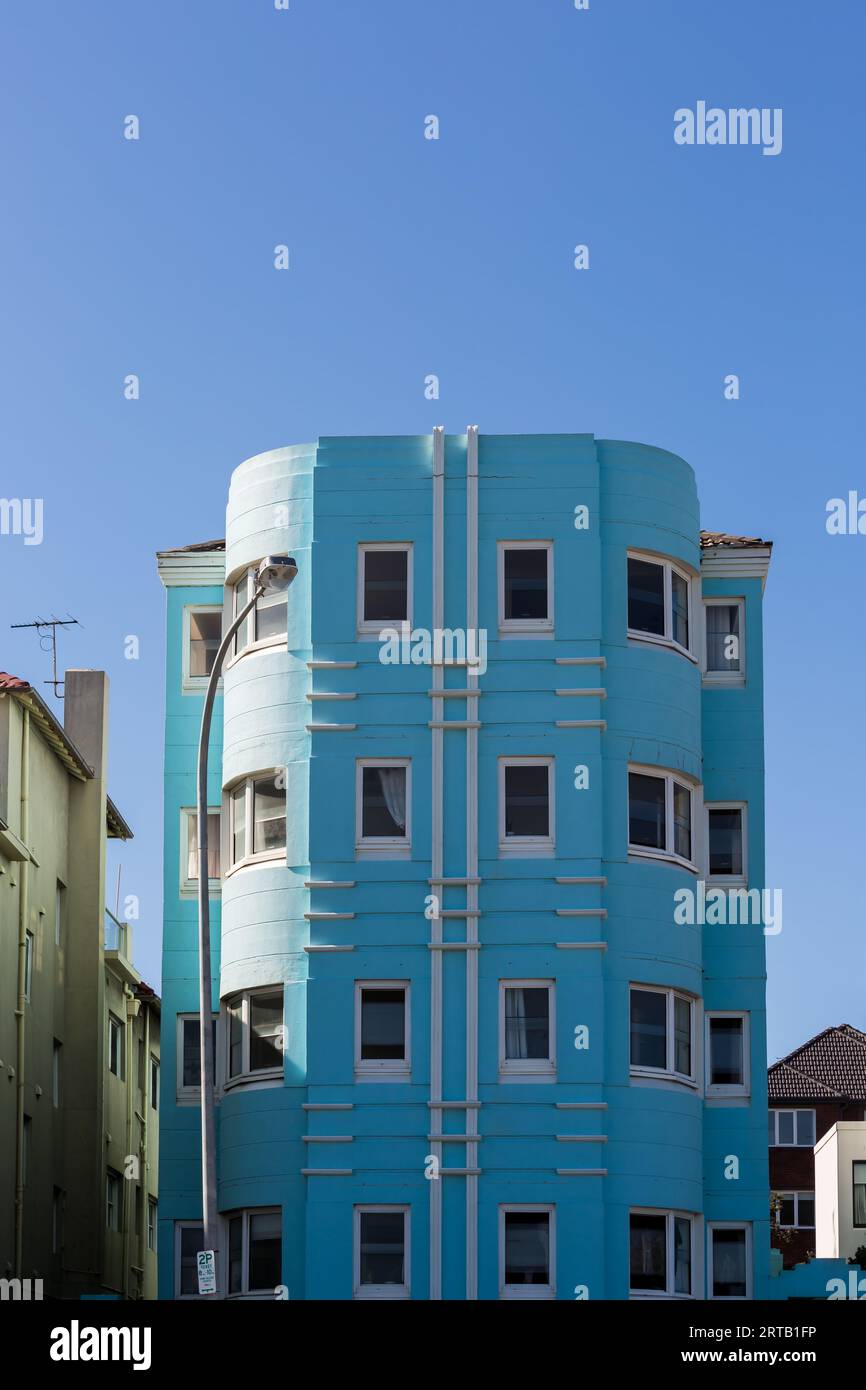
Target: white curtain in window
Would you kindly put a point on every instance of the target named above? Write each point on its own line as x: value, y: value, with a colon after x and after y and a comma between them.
x: 516, y: 1041
x: 393, y: 782
x: 729, y: 1261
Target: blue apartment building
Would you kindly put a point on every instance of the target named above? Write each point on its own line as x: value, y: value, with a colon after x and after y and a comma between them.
x: 474, y: 777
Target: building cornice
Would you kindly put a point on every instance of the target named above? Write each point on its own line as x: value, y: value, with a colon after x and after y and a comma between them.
x: 736, y: 562
x: 191, y: 568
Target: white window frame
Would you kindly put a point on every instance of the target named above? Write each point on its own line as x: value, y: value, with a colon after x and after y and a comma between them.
x: 531, y: 1067
x: 524, y: 627
x: 668, y: 1072
x: 266, y: 1075
x: 228, y: 865
x: 189, y: 886
x: 798, y: 1225
x: 668, y: 855
x: 113, y: 1210
x: 178, y: 1227
x: 728, y: 880
x: 244, y: 1214
x: 386, y: 1068
x: 528, y: 1292
x: 776, y: 1111
x: 115, y: 1022
x: 667, y: 565
x: 528, y: 846
x: 29, y: 952
x: 367, y: 628
x: 375, y: 846
x: 195, y: 685
x: 152, y: 1222
x: 232, y: 607
x: 729, y: 1226
x: 718, y: 1090
x: 153, y: 1082
x: 724, y: 678
x: 669, y: 1293
x: 192, y: 1094
x: 381, y: 1291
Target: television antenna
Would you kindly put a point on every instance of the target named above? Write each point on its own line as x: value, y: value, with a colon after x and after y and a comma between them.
x: 46, y: 629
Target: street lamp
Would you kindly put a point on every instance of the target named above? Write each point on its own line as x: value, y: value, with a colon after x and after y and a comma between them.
x: 274, y: 575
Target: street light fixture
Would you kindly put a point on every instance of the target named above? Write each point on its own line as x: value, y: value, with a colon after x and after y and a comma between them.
x: 275, y: 574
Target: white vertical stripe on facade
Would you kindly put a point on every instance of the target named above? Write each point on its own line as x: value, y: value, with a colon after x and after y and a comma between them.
x: 436, y: 859
x: 472, y: 863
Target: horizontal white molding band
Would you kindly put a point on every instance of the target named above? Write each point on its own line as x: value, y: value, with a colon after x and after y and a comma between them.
x: 453, y: 724
x: 582, y: 724
x: 581, y: 1172
x: 330, y: 883
x: 311, y: 950
x: 329, y: 728
x: 327, y: 1172
x: 580, y: 945
x: 331, y: 665
x: 573, y: 912
x: 580, y: 661
x: 581, y: 1104
x: 597, y: 694
x: 581, y: 1138
x: 454, y: 1104
x: 454, y: 1138
x: 329, y: 916
x: 328, y: 1105
x: 454, y: 694
x: 331, y: 695
x: 453, y: 882
x: 453, y: 945
x: 602, y: 881
x: 327, y: 1138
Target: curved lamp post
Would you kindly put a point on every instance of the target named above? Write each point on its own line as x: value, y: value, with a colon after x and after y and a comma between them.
x: 275, y: 573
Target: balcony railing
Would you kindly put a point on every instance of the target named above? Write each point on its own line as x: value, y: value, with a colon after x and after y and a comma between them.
x: 116, y: 936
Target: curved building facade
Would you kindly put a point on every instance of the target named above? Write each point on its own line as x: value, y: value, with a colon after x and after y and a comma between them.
x: 487, y: 785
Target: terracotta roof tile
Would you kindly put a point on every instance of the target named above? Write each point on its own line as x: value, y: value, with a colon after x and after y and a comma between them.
x: 709, y: 538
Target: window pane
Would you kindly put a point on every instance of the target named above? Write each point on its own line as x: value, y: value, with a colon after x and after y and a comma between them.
x: 266, y: 1250
x: 205, y: 635
x: 239, y: 824
x: 191, y: 1044
x: 682, y: 1036
x: 383, y: 1025
x: 786, y: 1126
x: 236, y: 1036
x: 527, y: 1023
x: 266, y: 1029
x: 191, y: 1241
x: 271, y: 614
x: 729, y: 1264
x: 646, y: 811
x: 648, y: 1029
x: 682, y: 1254
x: 526, y: 800
x: 726, y: 1052
x: 525, y: 584
x: 386, y: 586
x: 236, y: 1253
x: 787, y: 1213
x: 527, y: 1247
x: 382, y: 1247
x: 726, y: 842
x: 806, y: 1210
x: 859, y: 1194
x: 242, y: 596
x: 646, y: 597
x: 682, y: 821
x: 648, y: 1251
x: 383, y: 795
x: 806, y: 1127
x: 680, y: 609
x: 723, y: 624
x: 771, y: 1128
x: 213, y: 845
x: 269, y: 815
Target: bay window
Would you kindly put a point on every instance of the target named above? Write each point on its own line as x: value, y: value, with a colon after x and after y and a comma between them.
x: 257, y: 818
x: 661, y: 1033
x: 661, y: 815
x: 267, y: 624
x: 661, y: 1253
x: 255, y: 1036
x: 659, y: 602
x: 255, y: 1252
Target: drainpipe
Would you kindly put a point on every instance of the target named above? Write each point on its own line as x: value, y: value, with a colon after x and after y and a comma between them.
x: 20, y: 1020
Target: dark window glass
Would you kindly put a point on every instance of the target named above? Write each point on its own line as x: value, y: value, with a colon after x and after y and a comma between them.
x: 646, y: 597
x: 646, y: 811
x: 382, y: 1247
x: 236, y: 1254
x: 383, y: 813
x: 265, y: 1250
x: 648, y: 1251
x: 806, y: 1128
x: 527, y: 1023
x: 386, y: 574
x: 527, y: 1247
x: 723, y: 624
x: 726, y: 842
x: 648, y: 1029
x: 269, y: 814
x: 682, y: 1254
x: 526, y: 584
x: 682, y: 821
x: 383, y: 1025
x: 191, y: 1075
x: 266, y: 1031
x: 680, y: 609
x: 236, y: 1038
x: 191, y: 1241
x: 527, y: 793
x: 682, y: 1036
x: 806, y: 1210
x: 205, y: 635
x: 726, y: 1052
x: 729, y: 1264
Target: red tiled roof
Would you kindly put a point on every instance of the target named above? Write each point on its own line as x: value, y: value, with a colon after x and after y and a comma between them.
x: 830, y: 1066
x: 8, y: 682
x: 709, y: 538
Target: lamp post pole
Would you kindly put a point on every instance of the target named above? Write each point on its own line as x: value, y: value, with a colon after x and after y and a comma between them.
x: 273, y: 572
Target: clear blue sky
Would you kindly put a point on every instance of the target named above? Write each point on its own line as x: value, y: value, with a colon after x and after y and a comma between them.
x: 411, y: 257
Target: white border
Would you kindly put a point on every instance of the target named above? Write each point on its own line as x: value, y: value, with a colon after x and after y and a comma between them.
x: 524, y: 627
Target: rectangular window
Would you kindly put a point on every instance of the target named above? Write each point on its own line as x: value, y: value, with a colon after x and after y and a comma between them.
x: 29, y: 945
x: 190, y: 851
x: 382, y: 1027
x: 381, y: 1241
x: 525, y: 587
x: 189, y: 1054
x: 113, y: 1200
x: 151, y: 1223
x: 661, y: 1253
x: 659, y: 602
x: 726, y: 842
x: 384, y: 586
x: 729, y: 1260
x: 258, y: 818
x: 795, y: 1210
x: 527, y: 1260
x: 859, y: 1183
x: 662, y: 1033
x: 56, y: 1073
x: 59, y: 913
x: 115, y: 1046
x: 724, y: 654
x: 660, y: 815
x: 727, y: 1054
x: 383, y: 805
x: 189, y: 1239
x: 154, y: 1083
x: 792, y: 1129
x: 268, y: 621
x: 203, y: 636
x: 255, y: 1252
x: 526, y: 1027
x: 255, y: 1034
x: 526, y: 815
